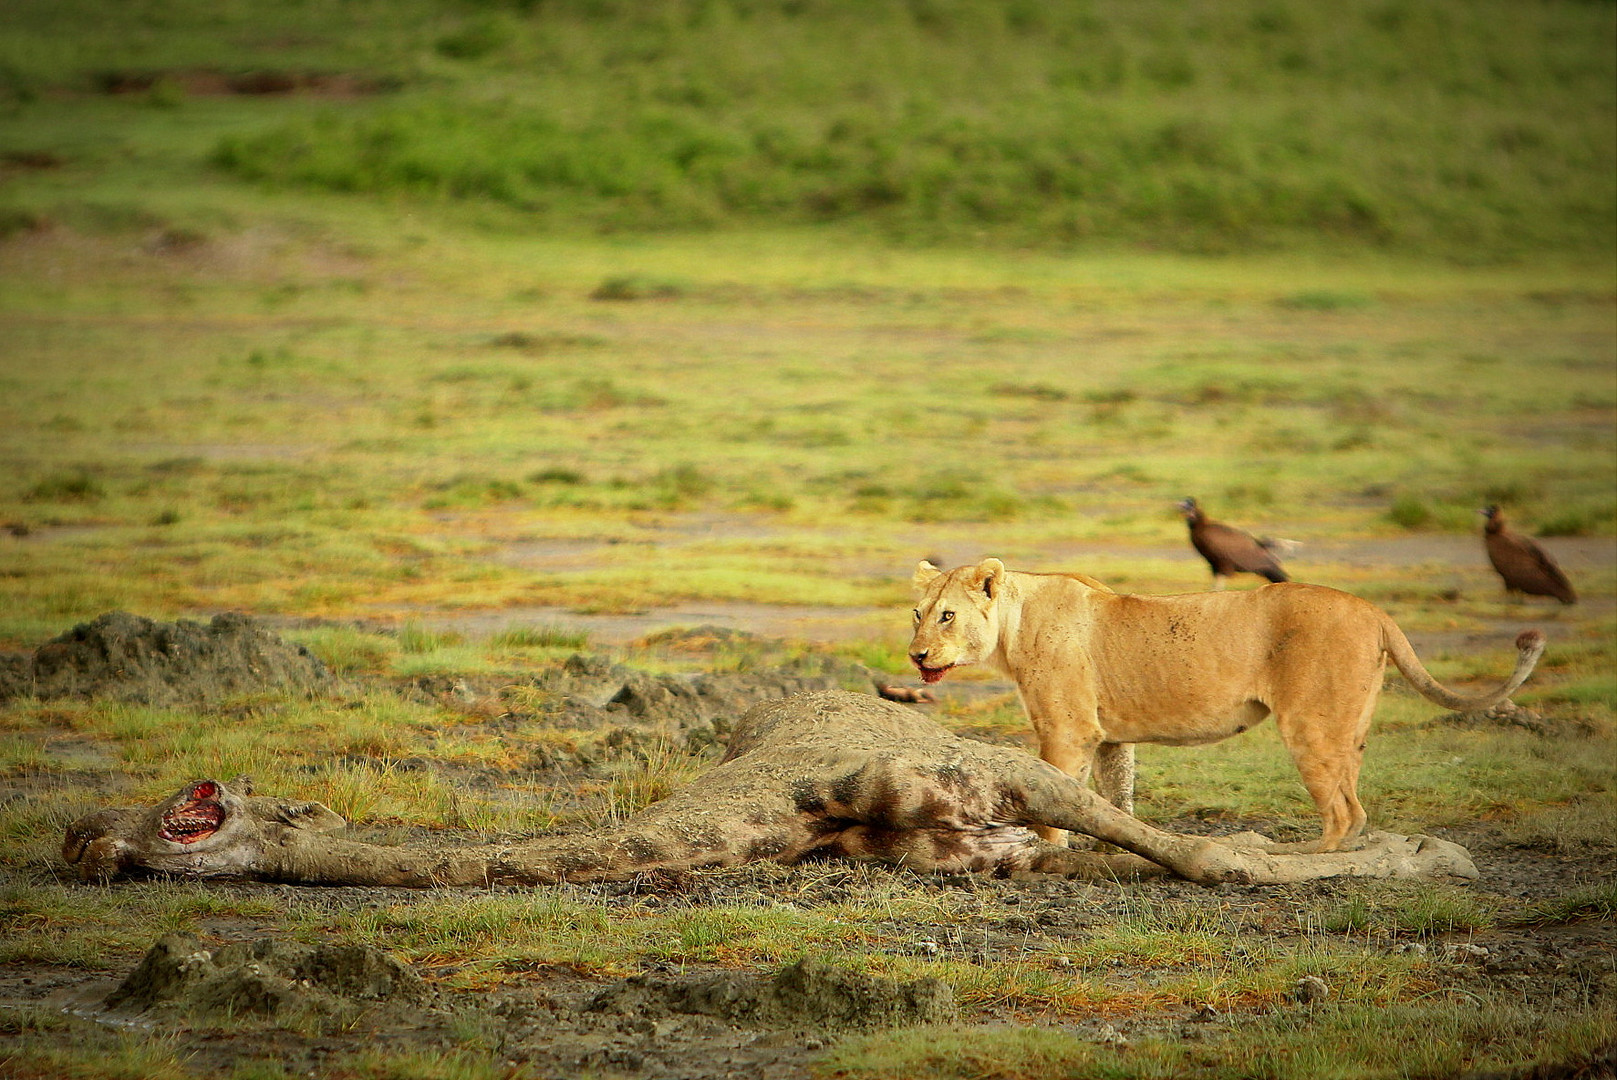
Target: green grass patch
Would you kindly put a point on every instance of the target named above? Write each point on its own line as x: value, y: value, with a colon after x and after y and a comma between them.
x: 539, y: 636
x: 1420, y: 909
x: 1415, y: 778
x: 1186, y: 126
x: 104, y: 930
x: 348, y: 651
x: 1350, y: 1041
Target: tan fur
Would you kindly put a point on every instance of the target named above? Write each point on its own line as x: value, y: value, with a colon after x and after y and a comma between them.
x: 1098, y: 672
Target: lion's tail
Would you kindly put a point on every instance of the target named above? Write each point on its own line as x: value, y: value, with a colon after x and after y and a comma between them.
x: 1529, y: 647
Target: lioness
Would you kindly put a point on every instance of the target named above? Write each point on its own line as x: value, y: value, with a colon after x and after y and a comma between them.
x: 1098, y: 672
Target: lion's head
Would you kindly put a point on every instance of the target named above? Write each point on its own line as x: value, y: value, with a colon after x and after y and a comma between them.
x: 957, y: 617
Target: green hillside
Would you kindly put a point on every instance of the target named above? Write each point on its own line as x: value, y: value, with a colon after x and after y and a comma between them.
x: 1482, y: 131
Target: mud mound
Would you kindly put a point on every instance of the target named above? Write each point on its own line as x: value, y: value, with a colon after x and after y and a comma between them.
x: 591, y: 693
x: 705, y: 638
x: 16, y: 675
x: 266, y: 977
x: 129, y: 658
x: 695, y: 710
x: 807, y: 996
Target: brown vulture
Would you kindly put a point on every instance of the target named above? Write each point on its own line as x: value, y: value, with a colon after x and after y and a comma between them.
x: 1525, y: 567
x: 1228, y: 550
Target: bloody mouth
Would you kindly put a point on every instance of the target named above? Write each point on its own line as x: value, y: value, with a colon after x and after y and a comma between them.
x: 197, y: 818
x: 932, y: 675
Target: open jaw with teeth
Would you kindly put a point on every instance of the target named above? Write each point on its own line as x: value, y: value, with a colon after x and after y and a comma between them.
x: 196, y: 816
x: 932, y: 674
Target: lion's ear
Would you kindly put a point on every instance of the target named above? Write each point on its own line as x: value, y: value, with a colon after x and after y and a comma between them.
x: 989, y: 576
x: 924, y: 573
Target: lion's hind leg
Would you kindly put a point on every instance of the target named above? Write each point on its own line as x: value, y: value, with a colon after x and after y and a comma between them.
x: 1328, y: 752
x: 1114, y: 774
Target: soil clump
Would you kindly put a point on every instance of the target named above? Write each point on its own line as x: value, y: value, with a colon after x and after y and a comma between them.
x: 266, y: 977
x: 122, y: 657
x: 806, y: 996
x: 632, y: 708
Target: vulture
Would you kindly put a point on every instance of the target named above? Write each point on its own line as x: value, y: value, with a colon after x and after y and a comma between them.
x: 1525, y: 567
x: 1230, y: 551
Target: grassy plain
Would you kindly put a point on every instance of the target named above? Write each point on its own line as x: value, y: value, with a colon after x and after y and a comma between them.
x: 399, y: 388
x: 283, y: 423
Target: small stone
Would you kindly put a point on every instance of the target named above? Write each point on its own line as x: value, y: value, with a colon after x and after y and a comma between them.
x: 1465, y: 950
x: 1309, y: 989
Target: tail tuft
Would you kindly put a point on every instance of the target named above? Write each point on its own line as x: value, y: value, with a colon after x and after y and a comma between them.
x: 1529, y: 648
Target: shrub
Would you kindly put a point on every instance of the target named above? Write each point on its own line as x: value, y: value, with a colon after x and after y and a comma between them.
x: 1571, y: 521
x: 75, y: 486
x: 556, y: 475
x: 630, y: 287
x: 475, y: 40
x: 679, y: 483
x: 1409, y: 512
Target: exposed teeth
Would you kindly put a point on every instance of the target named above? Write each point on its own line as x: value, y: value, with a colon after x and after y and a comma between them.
x: 184, y: 826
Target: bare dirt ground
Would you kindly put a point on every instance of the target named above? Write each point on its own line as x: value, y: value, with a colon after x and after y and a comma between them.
x: 555, y: 1022
x: 552, y: 1021
x: 708, y: 1020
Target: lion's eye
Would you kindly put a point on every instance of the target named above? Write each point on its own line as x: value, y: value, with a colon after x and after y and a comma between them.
x: 947, y: 616
x: 917, y: 614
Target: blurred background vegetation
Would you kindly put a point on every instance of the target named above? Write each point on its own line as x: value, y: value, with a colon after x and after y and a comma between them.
x: 457, y: 302
x: 1472, y: 130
